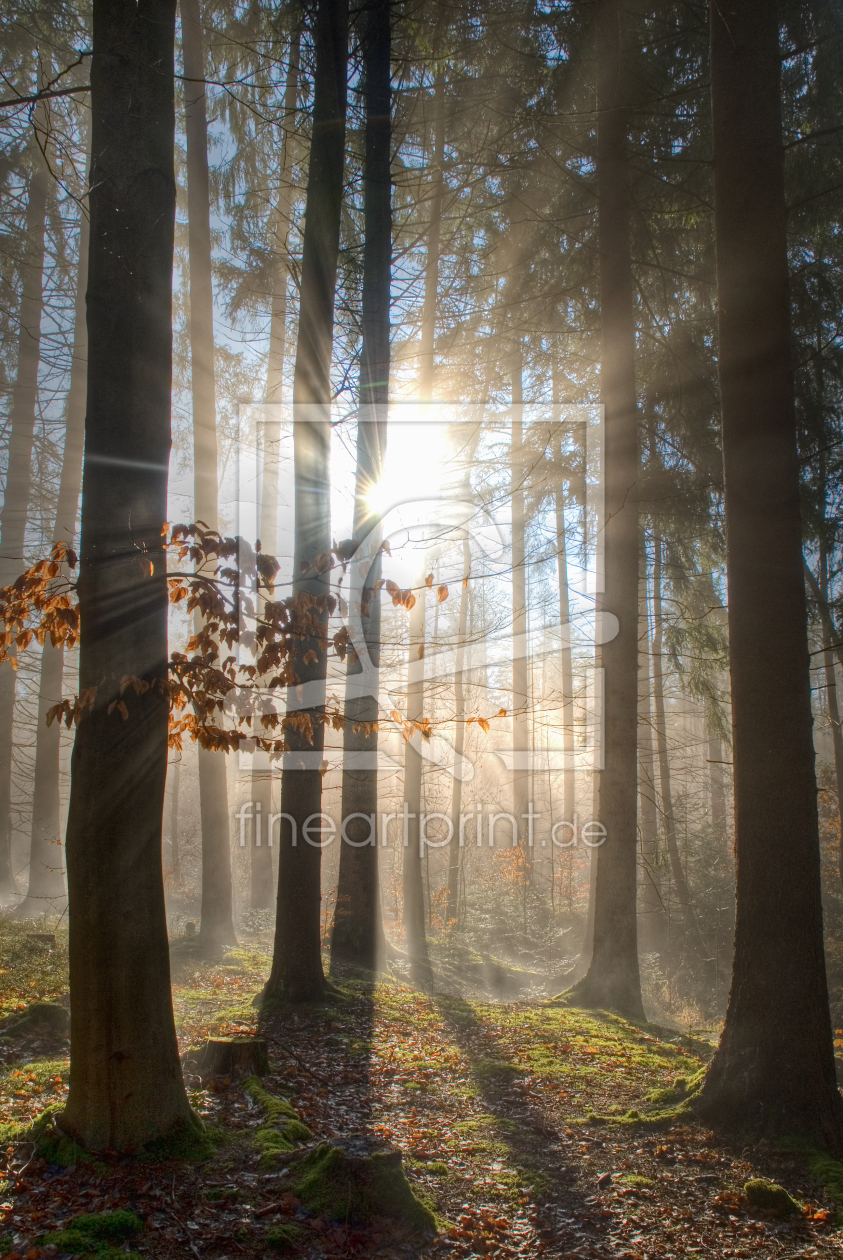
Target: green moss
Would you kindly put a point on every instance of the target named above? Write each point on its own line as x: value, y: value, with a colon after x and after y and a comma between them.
x: 828, y: 1171
x: 435, y: 1167
x: 43, y: 1070
x: 376, y: 1187
x: 635, y: 1181
x: 491, y: 1068
x: 681, y: 1089
x: 225, y: 1194
x: 281, y: 1130
x: 191, y: 1140
x: 41, y: 1015
x: 30, y: 966
x: 97, y: 1234
x: 285, y: 1237
x: 771, y: 1197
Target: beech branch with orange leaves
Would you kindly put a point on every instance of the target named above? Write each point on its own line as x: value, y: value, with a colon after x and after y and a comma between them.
x: 213, y: 699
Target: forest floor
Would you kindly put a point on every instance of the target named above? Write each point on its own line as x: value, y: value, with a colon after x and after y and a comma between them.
x: 510, y: 1117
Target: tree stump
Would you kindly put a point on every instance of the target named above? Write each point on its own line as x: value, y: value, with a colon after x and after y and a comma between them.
x: 40, y: 1017
x: 359, y: 1179
x: 229, y: 1056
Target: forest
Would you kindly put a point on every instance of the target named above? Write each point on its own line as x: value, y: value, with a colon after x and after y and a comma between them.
x: 421, y: 615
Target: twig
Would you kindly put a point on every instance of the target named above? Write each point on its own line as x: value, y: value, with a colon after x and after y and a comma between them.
x: 301, y: 1063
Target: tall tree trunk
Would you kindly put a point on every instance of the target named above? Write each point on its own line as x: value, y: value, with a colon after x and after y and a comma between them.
x: 217, y: 922
x: 568, y: 773
x: 520, y: 675
x: 414, y: 908
x: 652, y: 931
x: 717, y: 786
x: 260, y: 852
x: 773, y: 1071
x: 175, y: 848
x: 283, y: 217
x: 297, y: 961
x: 691, y: 933
x: 358, y: 928
x: 126, y: 1086
x: 18, y: 473
x: 819, y: 593
x: 427, y: 354
x: 612, y: 981
x: 414, y: 915
x: 452, y: 905
x: 837, y: 741
x: 46, y: 890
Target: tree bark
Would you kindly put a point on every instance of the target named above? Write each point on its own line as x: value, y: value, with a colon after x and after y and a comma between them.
x: 612, y: 981
x: 46, y: 890
x: 837, y: 741
x: 18, y: 474
x: 652, y: 920
x: 773, y: 1071
x: 260, y: 852
x: 521, y: 778
x: 568, y: 773
x: 175, y: 849
x: 358, y: 929
x: 717, y: 786
x: 691, y: 933
x: 126, y: 1086
x: 283, y: 218
x: 217, y: 922
x: 413, y: 915
x: 297, y: 961
x: 819, y: 593
x: 427, y: 353
x: 452, y: 905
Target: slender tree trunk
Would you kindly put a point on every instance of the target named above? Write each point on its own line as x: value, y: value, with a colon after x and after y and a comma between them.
x: 297, y: 962
x: 414, y: 908
x: 260, y: 849
x: 414, y: 914
x: 217, y: 922
x: 717, y: 786
x: 773, y: 1071
x: 451, y: 912
x: 427, y: 355
x: 612, y: 981
x: 819, y: 593
x: 46, y: 891
x: 263, y: 779
x: 358, y: 928
x: 520, y: 676
x: 126, y: 1086
x: 691, y: 933
x: 568, y: 773
x: 652, y: 932
x: 837, y: 741
x: 18, y: 473
x: 283, y: 218
x: 175, y: 848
